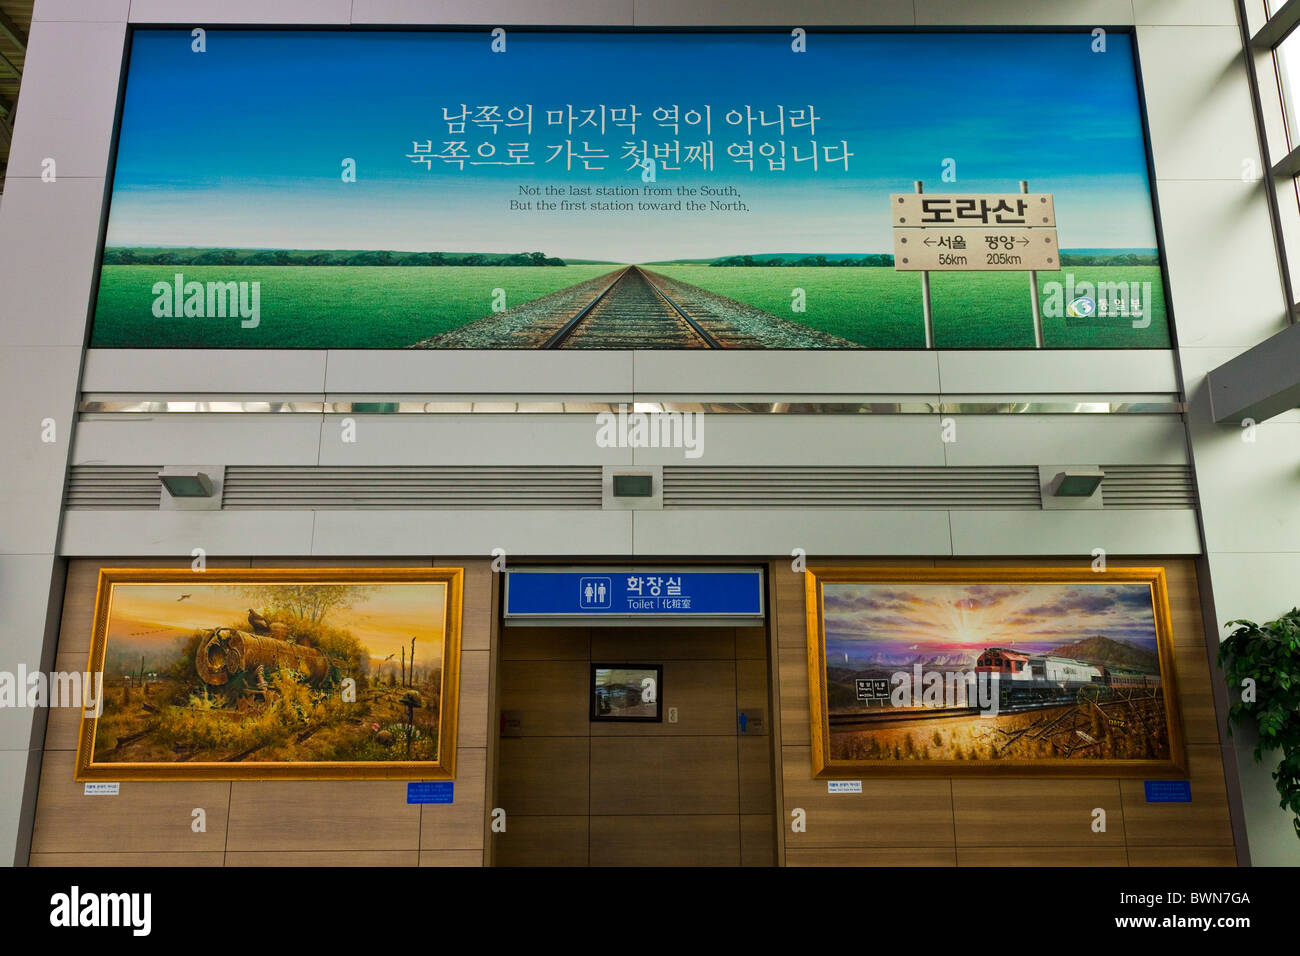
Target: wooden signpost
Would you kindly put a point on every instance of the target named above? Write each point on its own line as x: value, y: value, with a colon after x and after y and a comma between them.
x: 973, y: 232
x: 975, y: 250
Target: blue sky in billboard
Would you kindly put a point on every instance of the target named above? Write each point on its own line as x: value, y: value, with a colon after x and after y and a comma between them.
x: 241, y: 146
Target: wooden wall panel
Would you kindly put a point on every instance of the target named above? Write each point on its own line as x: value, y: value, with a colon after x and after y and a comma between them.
x: 543, y: 841
x: 144, y: 816
x: 755, y: 771
x: 291, y: 815
x: 249, y: 823
x: 472, y: 726
x: 666, y: 839
x: 751, y: 643
x: 1047, y: 856
x: 691, y: 792
x: 330, y: 858
x: 1182, y: 856
x: 997, y: 821
x: 547, y: 644
x: 63, y: 724
x: 871, y: 856
x: 128, y: 858
x: 548, y: 698
x: 451, y: 858
x: 618, y: 645
x: 648, y: 775
x: 888, y: 812
x: 757, y: 841
x: 793, y: 664
x: 458, y: 825
x: 993, y: 811
x: 1203, y: 822
x: 752, y: 692
x: 544, y: 775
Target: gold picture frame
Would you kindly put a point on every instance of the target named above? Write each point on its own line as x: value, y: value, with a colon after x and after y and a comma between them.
x: 1050, y: 710
x: 206, y: 686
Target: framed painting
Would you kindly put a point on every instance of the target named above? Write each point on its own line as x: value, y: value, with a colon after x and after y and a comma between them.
x: 626, y: 692
x: 992, y: 671
x: 274, y: 674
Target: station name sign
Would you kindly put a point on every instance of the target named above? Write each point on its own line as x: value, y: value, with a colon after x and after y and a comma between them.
x: 614, y: 595
x: 998, y: 232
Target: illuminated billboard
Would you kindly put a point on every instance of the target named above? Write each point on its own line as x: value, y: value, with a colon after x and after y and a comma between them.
x: 532, y: 190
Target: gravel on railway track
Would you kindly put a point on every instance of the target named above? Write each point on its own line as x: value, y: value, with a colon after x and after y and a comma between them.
x: 734, y: 324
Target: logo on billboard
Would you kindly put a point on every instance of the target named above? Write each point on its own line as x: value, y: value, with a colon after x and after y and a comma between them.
x: 1081, y: 307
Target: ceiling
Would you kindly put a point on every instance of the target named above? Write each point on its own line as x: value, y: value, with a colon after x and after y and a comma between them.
x: 15, y: 24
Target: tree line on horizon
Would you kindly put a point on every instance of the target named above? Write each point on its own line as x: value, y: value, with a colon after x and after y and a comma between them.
x: 128, y: 256
x: 881, y: 260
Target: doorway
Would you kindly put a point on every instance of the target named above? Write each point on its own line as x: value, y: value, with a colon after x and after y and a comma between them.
x: 692, y: 789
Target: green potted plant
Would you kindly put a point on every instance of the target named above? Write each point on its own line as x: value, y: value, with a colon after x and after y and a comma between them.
x: 1262, y: 665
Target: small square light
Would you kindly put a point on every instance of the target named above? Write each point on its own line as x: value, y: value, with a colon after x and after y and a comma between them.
x: 1081, y: 484
x: 186, y: 483
x: 634, y: 486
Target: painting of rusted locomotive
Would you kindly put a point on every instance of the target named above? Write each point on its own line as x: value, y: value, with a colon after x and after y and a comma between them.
x: 227, y: 656
x: 274, y: 673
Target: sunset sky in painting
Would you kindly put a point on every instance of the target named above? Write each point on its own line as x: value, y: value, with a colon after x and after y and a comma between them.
x: 902, y: 620
x: 384, y: 621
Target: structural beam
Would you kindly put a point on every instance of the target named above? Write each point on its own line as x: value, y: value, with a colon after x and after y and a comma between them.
x: 1260, y: 383
x: 1289, y: 165
x: 1279, y: 25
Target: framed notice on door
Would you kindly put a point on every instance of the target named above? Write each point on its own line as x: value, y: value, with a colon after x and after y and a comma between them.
x: 626, y: 692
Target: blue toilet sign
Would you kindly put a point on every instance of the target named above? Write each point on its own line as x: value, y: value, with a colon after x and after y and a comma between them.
x: 635, y: 594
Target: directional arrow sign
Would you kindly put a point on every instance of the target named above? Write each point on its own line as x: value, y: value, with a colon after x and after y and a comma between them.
x: 997, y: 249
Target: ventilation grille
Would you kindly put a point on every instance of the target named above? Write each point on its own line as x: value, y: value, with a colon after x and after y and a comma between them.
x: 1148, y: 486
x: 903, y: 488
x: 114, y: 487
x: 279, y: 488
x: 801, y: 486
x: 269, y: 488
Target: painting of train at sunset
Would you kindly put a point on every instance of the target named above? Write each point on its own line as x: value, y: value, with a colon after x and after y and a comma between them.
x: 269, y: 673
x: 1003, y: 670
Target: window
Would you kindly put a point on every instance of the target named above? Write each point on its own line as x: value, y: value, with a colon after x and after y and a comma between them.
x: 1274, y: 48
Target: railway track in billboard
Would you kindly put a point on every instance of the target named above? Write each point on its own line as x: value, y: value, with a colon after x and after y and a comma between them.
x: 632, y: 311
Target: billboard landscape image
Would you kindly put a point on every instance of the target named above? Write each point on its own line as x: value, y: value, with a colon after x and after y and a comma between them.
x: 582, y: 190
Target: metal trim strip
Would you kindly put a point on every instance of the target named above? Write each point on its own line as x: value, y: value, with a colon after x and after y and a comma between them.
x: 582, y: 407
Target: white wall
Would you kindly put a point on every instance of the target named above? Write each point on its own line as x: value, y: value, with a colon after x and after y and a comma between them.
x: 1227, y: 295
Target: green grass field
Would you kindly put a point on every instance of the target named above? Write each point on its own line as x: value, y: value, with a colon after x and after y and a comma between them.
x: 880, y: 308
x: 379, y: 307
x: 316, y: 307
